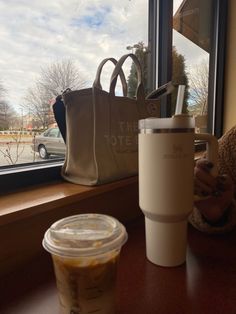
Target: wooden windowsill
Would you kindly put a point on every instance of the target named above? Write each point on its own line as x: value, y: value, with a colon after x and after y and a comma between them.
x: 45, y: 197
x: 42, y: 198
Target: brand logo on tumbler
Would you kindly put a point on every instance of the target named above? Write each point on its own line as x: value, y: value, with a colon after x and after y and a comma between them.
x: 177, y: 153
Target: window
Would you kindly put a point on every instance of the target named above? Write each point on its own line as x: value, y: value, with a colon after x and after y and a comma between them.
x: 52, y: 133
x: 192, y: 22
x: 51, y: 46
x: 47, y: 47
x: 192, y: 40
x: 47, y: 40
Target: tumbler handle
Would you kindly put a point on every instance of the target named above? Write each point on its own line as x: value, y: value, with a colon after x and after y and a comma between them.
x: 212, y: 149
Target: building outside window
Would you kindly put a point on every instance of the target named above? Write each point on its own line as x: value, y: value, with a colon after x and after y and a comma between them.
x: 192, y: 53
x: 192, y: 37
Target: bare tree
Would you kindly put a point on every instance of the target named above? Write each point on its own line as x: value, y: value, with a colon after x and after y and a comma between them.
x: 52, y: 81
x: 2, y: 90
x: 2, y: 106
x: 59, y: 76
x: 13, y: 149
x: 199, y: 87
x: 7, y: 115
x: 37, y: 103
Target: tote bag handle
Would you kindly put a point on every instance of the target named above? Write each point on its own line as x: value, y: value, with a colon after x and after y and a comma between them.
x: 140, y: 88
x: 97, y: 81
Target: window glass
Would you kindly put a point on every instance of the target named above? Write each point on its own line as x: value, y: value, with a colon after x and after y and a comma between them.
x: 53, y: 133
x: 48, y: 46
x: 192, y: 20
x: 46, y: 133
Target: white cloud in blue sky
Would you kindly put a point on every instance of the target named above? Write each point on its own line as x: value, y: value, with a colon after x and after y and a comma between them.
x: 94, y: 18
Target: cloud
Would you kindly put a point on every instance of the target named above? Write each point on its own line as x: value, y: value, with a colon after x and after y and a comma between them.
x: 94, y: 18
x: 36, y: 33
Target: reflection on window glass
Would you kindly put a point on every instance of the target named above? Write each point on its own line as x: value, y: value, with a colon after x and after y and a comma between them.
x: 191, y: 53
x: 48, y: 46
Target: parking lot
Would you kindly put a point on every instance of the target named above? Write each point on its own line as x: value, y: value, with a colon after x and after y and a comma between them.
x: 15, y: 150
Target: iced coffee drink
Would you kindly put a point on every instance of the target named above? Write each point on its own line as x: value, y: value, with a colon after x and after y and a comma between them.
x: 85, y: 251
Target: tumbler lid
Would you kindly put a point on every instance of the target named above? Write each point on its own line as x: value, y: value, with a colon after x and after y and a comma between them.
x: 180, y: 121
x: 84, y: 235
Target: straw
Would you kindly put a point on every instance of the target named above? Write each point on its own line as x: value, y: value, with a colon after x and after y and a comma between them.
x: 180, y: 99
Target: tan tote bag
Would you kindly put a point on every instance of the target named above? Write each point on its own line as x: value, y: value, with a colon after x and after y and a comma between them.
x: 102, y: 129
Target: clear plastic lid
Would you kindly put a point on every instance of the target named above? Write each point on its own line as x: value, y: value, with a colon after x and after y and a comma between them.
x: 176, y: 122
x: 84, y: 235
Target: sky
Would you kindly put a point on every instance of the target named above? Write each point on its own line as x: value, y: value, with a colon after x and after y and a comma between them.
x: 35, y: 33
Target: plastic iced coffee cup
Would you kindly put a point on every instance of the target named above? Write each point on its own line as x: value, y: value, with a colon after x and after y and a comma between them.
x: 85, y: 251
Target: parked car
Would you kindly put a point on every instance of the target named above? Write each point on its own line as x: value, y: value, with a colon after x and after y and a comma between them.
x: 49, y: 143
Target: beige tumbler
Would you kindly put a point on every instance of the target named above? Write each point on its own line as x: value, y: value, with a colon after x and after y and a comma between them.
x: 166, y: 163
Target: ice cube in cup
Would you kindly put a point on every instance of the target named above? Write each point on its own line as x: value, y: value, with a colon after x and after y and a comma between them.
x: 85, y: 251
